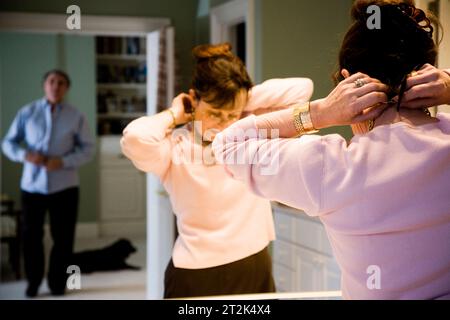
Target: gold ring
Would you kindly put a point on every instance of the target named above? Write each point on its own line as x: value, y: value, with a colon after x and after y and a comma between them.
x: 359, y: 83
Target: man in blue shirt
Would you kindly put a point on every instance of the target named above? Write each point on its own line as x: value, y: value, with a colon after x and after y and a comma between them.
x: 52, y: 140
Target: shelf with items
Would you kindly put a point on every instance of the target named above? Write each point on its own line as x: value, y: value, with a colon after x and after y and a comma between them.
x: 121, y: 46
x: 116, y: 109
x: 121, y: 82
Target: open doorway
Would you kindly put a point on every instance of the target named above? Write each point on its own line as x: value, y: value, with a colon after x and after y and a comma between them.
x: 238, y: 40
x: 233, y: 22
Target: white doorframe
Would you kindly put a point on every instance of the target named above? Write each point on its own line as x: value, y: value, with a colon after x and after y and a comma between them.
x: 90, y: 24
x: 160, y: 220
x: 231, y: 13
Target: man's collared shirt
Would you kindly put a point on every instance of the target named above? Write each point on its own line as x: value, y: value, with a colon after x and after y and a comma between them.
x: 62, y: 133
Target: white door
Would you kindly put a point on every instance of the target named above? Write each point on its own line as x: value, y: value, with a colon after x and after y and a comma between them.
x: 160, y: 220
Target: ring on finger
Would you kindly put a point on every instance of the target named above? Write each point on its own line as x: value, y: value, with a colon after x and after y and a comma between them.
x: 359, y: 83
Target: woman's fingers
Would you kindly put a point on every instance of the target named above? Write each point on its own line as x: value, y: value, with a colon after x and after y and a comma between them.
x: 370, y: 99
x: 430, y: 83
x: 419, y: 91
x: 345, y: 73
x: 421, y: 79
x: 373, y: 86
x: 425, y: 68
x: 355, y: 77
x: 347, y: 100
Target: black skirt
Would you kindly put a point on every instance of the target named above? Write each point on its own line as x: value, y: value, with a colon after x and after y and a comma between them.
x: 249, y: 275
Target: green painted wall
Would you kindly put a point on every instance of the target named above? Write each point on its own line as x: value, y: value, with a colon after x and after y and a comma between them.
x: 202, y: 22
x: 301, y: 38
x: 79, y: 62
x: 21, y: 82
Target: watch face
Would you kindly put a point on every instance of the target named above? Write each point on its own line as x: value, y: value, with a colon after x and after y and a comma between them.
x: 302, y: 119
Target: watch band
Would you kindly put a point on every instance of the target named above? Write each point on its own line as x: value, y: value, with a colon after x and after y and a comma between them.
x: 302, y: 119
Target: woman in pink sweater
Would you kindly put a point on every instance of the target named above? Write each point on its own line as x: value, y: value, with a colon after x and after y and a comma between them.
x: 223, y: 228
x: 384, y: 197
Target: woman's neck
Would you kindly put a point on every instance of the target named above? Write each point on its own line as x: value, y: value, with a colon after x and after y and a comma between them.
x: 414, y: 117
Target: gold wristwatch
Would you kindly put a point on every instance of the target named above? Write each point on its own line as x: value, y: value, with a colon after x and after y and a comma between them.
x: 302, y: 120
x: 174, y: 122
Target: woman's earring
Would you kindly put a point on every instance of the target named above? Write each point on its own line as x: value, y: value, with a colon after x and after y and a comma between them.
x: 371, y: 124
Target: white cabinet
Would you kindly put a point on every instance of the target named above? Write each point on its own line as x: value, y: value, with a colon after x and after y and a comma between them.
x: 122, y: 191
x: 302, y: 255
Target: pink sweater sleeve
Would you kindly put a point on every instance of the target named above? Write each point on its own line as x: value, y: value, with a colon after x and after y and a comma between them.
x: 276, y: 94
x: 291, y: 171
x: 146, y: 143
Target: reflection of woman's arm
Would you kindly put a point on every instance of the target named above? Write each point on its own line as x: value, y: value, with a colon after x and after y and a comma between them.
x: 145, y: 142
x: 276, y: 94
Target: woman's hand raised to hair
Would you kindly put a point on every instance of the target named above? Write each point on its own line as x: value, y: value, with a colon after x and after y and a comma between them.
x: 428, y: 87
x: 349, y: 104
x: 178, y: 108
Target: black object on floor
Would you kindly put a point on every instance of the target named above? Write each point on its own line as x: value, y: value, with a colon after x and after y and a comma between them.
x: 110, y: 258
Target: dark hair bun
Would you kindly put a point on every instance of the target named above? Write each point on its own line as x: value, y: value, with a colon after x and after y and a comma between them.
x: 394, y: 12
x: 206, y: 51
x: 219, y: 75
x: 403, y: 42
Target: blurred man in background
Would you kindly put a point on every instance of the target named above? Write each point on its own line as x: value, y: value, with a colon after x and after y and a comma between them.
x: 51, y: 139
